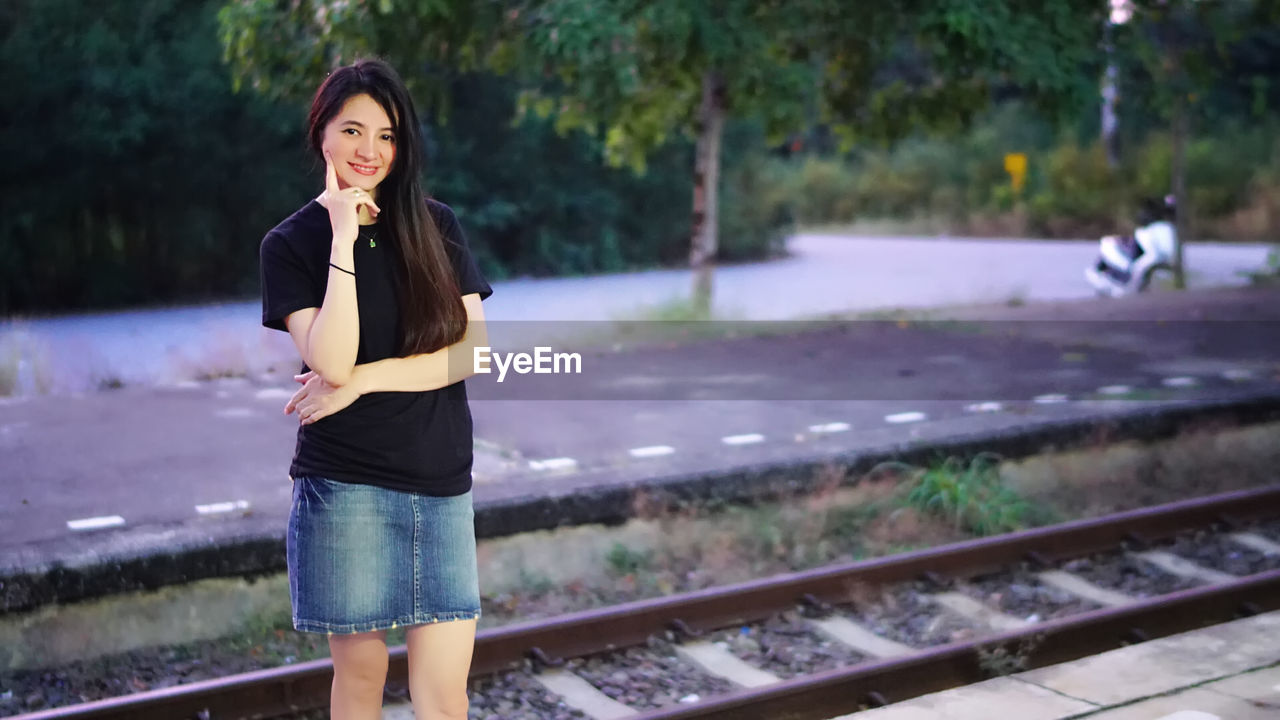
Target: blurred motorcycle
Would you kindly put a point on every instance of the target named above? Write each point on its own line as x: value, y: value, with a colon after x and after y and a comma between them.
x: 1126, y: 263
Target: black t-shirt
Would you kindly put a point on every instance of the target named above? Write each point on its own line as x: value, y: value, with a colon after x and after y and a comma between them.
x: 415, y: 441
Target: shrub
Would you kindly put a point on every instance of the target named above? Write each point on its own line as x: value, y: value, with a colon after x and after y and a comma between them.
x: 756, y: 209
x: 1082, y: 194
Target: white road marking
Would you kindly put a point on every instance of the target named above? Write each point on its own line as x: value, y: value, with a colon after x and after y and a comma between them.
x: 984, y: 407
x: 1115, y: 390
x: 559, y: 463
x: 96, y: 523
x: 1237, y: 374
x: 1049, y: 399
x: 651, y: 451
x: 1181, y: 381
x: 747, y: 439
x: 222, y: 507
x: 831, y: 427
x: 905, y: 417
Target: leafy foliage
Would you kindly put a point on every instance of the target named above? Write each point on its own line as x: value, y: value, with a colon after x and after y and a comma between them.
x: 958, y: 184
x: 971, y: 495
x: 932, y: 65
x: 537, y: 203
x: 133, y: 172
x: 632, y: 73
x: 138, y: 175
x: 622, y: 560
x: 282, y: 49
x: 632, y: 70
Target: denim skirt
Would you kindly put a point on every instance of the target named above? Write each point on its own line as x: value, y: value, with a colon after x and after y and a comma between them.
x: 364, y: 558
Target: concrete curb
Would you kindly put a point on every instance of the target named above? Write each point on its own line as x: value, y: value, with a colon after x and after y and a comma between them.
x: 153, y: 557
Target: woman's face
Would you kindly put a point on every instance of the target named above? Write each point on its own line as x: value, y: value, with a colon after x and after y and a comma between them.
x: 359, y: 139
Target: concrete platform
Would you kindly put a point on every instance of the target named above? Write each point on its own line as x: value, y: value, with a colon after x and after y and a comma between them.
x: 141, y: 487
x: 1224, y: 672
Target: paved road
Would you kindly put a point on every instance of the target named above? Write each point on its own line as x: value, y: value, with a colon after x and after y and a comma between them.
x: 202, y: 452
x: 823, y: 275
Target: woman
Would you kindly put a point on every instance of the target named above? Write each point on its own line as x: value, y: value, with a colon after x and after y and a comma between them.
x: 376, y: 286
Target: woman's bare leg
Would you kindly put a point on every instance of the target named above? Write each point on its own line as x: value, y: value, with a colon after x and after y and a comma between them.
x: 439, y: 661
x: 359, y: 675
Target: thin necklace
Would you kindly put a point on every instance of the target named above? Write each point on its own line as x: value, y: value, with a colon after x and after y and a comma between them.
x: 373, y: 244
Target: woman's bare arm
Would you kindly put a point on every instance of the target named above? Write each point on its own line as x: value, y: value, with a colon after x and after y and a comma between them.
x: 328, y: 338
x: 428, y: 371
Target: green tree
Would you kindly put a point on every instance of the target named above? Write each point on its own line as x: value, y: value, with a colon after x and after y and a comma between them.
x: 279, y: 48
x: 133, y: 174
x: 639, y: 72
x: 535, y: 202
x: 1179, y: 53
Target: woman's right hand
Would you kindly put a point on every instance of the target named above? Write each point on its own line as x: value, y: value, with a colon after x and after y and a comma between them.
x: 344, y: 205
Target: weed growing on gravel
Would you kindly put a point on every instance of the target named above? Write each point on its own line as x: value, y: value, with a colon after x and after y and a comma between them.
x: 623, y: 560
x: 999, y: 660
x: 676, y: 310
x: 535, y: 582
x: 972, y: 496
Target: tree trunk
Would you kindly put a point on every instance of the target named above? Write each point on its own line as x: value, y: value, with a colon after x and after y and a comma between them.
x: 1182, y: 203
x: 706, y: 171
x: 1109, y: 94
x: 1178, y: 83
x: 706, y: 183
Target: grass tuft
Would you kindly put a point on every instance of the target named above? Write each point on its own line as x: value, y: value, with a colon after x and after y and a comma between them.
x: 972, y: 496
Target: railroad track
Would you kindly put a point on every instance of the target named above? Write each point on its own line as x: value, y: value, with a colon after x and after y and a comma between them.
x: 825, y: 642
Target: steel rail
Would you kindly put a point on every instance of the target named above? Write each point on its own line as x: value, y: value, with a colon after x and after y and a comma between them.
x: 846, y: 690
x: 277, y: 691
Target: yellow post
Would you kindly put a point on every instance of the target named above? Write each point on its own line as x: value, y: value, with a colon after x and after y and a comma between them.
x: 1016, y: 165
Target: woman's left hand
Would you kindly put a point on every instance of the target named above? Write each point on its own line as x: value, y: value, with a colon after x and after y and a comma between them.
x: 317, y: 399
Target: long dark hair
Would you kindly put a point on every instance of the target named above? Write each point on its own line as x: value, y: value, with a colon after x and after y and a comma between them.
x: 431, y: 312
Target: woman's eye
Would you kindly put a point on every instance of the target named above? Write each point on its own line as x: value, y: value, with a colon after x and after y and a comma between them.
x: 388, y: 138
x: 350, y: 131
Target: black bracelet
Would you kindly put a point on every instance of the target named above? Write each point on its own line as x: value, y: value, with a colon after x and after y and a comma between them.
x: 343, y: 270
